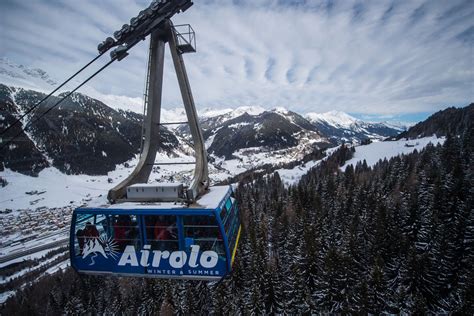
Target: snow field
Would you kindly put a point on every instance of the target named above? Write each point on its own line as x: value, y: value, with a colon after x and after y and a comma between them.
x: 371, y: 153
x: 375, y: 151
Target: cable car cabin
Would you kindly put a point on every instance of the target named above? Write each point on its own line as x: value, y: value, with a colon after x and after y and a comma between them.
x: 164, y: 240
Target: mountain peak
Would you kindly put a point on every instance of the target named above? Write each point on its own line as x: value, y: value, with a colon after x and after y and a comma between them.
x: 281, y: 110
x: 251, y: 110
x: 232, y: 113
x: 21, y: 76
x: 334, y: 118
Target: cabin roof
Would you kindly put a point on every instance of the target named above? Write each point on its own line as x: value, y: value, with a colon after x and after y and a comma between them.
x: 210, y: 200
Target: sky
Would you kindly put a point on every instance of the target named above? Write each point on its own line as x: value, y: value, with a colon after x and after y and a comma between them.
x: 377, y: 60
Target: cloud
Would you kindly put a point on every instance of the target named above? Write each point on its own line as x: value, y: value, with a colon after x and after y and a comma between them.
x: 367, y: 57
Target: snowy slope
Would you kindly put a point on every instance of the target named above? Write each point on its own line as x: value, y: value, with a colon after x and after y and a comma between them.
x: 28, y: 78
x: 340, y: 127
x: 293, y: 176
x: 223, y: 115
x: 16, y: 75
x: 340, y: 119
x: 337, y: 119
x: 52, y: 188
x: 373, y: 152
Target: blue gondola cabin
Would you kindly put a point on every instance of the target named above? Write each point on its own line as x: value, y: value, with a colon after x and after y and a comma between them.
x: 167, y: 240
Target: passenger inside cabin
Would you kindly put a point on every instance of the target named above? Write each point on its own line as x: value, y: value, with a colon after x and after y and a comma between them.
x: 122, y: 228
x: 204, y: 232
x: 90, y: 231
x: 164, y: 234
x: 80, y: 240
x: 162, y: 229
x: 83, y: 235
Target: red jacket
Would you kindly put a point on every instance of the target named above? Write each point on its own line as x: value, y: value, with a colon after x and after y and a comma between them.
x: 161, y: 231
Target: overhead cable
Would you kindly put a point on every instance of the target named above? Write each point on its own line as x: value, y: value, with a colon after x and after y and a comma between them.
x: 57, y: 103
x: 49, y: 95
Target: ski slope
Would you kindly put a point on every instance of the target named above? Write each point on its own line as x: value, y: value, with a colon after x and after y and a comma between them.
x: 376, y: 151
x: 371, y: 153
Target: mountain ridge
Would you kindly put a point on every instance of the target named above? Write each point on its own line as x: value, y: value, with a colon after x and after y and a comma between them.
x: 39, y: 80
x: 84, y: 126
x: 448, y: 121
x: 80, y: 127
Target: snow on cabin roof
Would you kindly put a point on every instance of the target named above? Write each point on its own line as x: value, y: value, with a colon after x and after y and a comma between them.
x: 153, y: 185
x: 210, y: 200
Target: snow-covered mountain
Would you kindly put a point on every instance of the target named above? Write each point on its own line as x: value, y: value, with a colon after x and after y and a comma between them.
x: 334, y: 118
x: 450, y: 121
x: 237, y: 140
x: 334, y: 125
x: 246, y: 128
x: 341, y: 127
x: 25, y: 77
x: 86, y: 135
x: 29, y: 78
x: 81, y: 135
x: 268, y: 131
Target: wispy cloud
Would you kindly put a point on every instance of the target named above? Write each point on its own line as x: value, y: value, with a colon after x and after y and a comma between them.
x: 367, y: 57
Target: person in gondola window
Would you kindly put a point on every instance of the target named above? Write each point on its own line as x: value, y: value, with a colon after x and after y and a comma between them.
x: 121, y: 230
x: 90, y: 231
x: 161, y: 231
x: 80, y: 239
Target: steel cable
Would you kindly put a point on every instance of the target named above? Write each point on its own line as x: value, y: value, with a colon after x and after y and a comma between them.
x: 49, y: 95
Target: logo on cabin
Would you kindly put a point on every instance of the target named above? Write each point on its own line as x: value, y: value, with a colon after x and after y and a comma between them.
x: 175, y: 259
x: 105, y: 246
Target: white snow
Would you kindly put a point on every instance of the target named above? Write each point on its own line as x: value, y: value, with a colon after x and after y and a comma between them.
x: 36, y: 255
x: 251, y: 110
x: 281, y: 110
x: 21, y: 76
x: 343, y: 120
x: 60, y: 189
x: 173, y: 115
x: 293, y: 176
x: 212, y: 199
x: 27, y: 270
x: 372, y: 153
x: 401, y: 126
x: 210, y: 139
x: 56, y: 189
x: 152, y: 185
x: 239, y: 125
x: 5, y: 295
x: 60, y: 266
x: 74, y: 190
x: 179, y: 114
x: 229, y: 113
x: 375, y: 151
x: 209, y: 112
x: 209, y: 201
x: 335, y: 118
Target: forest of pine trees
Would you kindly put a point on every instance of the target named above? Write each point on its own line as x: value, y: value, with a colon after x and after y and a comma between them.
x: 395, y: 238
